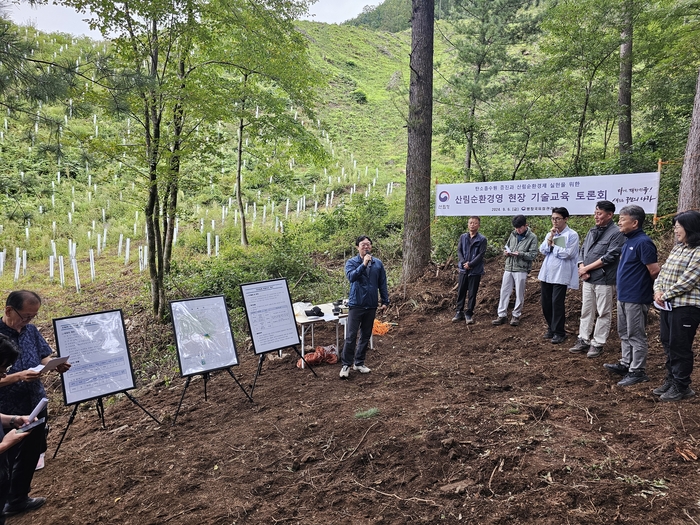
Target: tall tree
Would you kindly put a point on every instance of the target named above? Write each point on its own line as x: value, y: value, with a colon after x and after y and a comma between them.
x: 689, y: 193
x: 416, y: 239
x: 624, y: 98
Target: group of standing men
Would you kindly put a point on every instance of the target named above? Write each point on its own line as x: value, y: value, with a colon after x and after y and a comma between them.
x: 615, y: 263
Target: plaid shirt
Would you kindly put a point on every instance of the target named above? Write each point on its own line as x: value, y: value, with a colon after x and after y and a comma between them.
x: 679, y: 279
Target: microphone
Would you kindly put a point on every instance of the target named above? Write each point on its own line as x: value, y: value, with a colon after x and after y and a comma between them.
x: 369, y: 263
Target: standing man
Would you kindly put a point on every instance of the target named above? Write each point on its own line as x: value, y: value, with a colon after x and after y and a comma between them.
x: 20, y: 391
x: 635, y: 280
x: 470, y: 253
x: 520, y: 251
x: 558, y: 273
x: 367, y: 279
x: 597, y: 267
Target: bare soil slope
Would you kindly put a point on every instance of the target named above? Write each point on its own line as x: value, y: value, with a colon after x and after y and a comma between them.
x: 476, y: 424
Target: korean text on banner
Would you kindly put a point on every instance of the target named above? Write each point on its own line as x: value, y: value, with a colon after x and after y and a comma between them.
x: 538, y: 197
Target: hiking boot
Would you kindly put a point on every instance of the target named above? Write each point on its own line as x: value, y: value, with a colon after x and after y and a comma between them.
x: 514, y: 321
x: 361, y: 369
x: 619, y: 369
x: 659, y: 390
x: 676, y: 393
x: 345, y: 372
x: 500, y: 320
x: 558, y: 339
x: 632, y: 378
x: 458, y: 317
x: 594, y: 351
x: 468, y: 319
x: 548, y: 334
x: 580, y: 347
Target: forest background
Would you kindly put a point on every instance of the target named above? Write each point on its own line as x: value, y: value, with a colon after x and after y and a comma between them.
x: 231, y: 143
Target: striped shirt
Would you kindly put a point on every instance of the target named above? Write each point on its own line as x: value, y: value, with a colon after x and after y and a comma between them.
x: 679, y: 279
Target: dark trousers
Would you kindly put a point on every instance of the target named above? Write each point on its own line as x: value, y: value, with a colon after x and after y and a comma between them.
x: 678, y: 329
x: 553, y: 306
x: 362, y: 320
x: 468, y: 284
x: 22, y: 459
x: 4, y: 484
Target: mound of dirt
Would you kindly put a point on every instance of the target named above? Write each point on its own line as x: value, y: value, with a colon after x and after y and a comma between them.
x: 455, y: 424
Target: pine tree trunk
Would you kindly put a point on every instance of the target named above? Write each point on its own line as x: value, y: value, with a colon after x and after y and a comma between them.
x: 689, y: 193
x: 416, y: 243
x: 624, y: 96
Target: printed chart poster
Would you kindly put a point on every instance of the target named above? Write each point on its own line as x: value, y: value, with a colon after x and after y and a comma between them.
x: 203, y: 335
x: 268, y: 307
x: 99, y: 355
x: 538, y: 197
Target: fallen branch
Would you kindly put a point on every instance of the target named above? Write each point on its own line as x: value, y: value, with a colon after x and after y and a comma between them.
x: 360, y: 443
x: 418, y: 500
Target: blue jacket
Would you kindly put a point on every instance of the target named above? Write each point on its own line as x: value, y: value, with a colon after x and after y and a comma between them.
x: 471, y: 250
x: 365, y: 282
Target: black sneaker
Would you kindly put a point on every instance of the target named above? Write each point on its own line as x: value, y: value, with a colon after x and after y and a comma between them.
x: 468, y: 319
x: 675, y: 393
x: 514, y: 321
x: 458, y: 317
x: 632, y: 378
x: 619, y: 369
x: 500, y: 320
x: 558, y: 339
x: 548, y: 334
x: 659, y: 390
x: 25, y: 506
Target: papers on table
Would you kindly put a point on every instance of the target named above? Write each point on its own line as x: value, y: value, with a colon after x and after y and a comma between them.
x: 51, y: 365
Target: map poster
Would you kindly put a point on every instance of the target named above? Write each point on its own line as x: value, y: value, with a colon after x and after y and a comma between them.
x: 99, y: 355
x: 203, y: 335
x: 268, y: 307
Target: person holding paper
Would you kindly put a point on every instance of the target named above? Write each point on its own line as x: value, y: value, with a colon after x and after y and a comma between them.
x: 520, y: 251
x: 635, y: 281
x: 21, y: 390
x: 678, y: 284
x: 470, y: 253
x: 558, y: 273
x: 597, y: 267
x: 8, y: 440
x: 367, y: 281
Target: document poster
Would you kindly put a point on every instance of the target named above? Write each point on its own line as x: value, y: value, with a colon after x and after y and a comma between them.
x: 268, y: 307
x: 99, y: 355
x: 203, y: 335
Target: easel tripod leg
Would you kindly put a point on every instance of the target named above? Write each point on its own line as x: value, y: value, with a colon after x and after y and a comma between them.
x: 133, y: 400
x: 187, y: 383
x: 239, y: 384
x: 70, y: 420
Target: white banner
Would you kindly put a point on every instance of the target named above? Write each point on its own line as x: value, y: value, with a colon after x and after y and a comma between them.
x: 538, y: 197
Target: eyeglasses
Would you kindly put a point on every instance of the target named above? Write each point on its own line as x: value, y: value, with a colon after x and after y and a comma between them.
x: 557, y: 219
x: 25, y: 318
x: 5, y: 370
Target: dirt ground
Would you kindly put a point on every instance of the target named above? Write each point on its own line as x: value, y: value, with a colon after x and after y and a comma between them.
x: 474, y: 424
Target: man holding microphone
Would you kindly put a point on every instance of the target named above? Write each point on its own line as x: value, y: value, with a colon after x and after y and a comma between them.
x: 367, y: 279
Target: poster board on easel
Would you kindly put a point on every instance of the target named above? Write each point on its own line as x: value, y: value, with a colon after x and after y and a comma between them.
x: 204, y: 340
x: 98, y: 352
x: 99, y: 355
x: 203, y: 335
x: 270, y: 315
